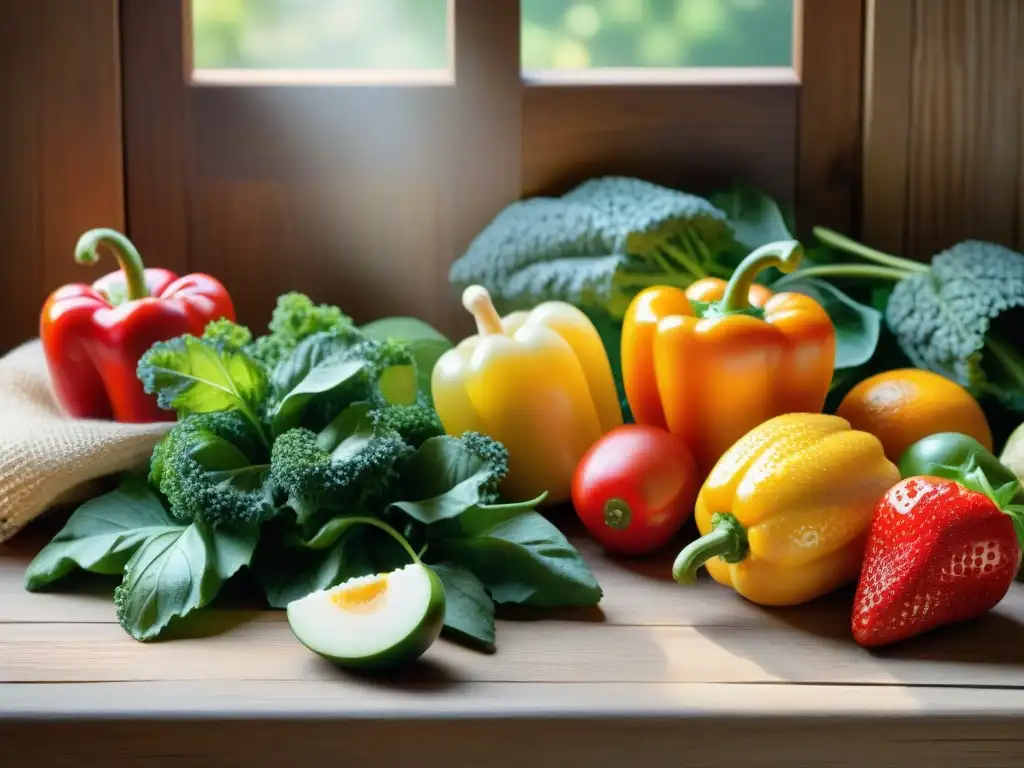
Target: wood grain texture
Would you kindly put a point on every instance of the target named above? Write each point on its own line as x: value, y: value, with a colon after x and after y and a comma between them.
x: 944, y: 131
x: 82, y: 169
x: 21, y: 212
x: 60, y: 147
x: 887, y: 89
x: 156, y: 130
x: 831, y: 71
x: 547, y: 742
x: 693, y: 137
x: 965, y: 132
x: 658, y: 672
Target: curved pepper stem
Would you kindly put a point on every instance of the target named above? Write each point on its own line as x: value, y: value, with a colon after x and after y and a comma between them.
x: 127, y: 256
x: 783, y: 254
x: 727, y: 539
x: 477, y: 302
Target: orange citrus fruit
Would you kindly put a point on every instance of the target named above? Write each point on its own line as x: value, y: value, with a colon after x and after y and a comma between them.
x: 902, y: 406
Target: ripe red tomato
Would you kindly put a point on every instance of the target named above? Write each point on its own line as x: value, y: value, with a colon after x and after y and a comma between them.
x: 635, y: 487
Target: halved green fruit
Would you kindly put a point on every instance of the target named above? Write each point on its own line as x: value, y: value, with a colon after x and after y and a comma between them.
x: 372, y: 622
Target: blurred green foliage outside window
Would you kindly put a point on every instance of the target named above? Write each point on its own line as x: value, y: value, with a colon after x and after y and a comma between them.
x: 556, y: 34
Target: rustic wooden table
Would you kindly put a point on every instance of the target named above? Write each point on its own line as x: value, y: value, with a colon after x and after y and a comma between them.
x: 660, y: 675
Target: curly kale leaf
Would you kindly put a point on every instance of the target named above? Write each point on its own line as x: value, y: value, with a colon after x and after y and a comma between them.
x: 214, y: 468
x: 596, y: 246
x: 449, y: 475
x: 296, y: 317
x: 348, y: 466
x: 952, y: 319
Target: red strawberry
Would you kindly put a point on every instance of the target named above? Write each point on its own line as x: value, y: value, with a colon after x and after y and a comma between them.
x: 938, y: 552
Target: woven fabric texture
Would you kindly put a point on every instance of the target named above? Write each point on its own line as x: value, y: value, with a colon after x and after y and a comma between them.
x: 47, y: 457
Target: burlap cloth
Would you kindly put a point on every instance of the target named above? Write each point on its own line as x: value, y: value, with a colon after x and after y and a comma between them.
x: 47, y: 458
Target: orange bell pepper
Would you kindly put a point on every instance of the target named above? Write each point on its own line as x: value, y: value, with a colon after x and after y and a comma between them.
x: 714, y: 361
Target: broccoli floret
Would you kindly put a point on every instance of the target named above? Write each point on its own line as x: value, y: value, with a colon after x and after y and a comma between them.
x: 213, y: 467
x: 494, y: 455
x: 296, y: 317
x: 944, y: 318
x: 597, y: 246
x: 389, y: 376
x: 351, y: 476
x: 415, y: 423
x: 227, y: 334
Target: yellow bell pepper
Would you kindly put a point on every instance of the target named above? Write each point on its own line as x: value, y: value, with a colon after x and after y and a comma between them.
x: 539, y: 382
x: 784, y: 514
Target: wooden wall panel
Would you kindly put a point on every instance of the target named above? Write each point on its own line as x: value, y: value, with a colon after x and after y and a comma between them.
x: 830, y: 64
x: 21, y: 219
x: 367, y: 247
x: 690, y: 137
x: 965, y: 132
x: 944, y: 139
x: 60, y: 147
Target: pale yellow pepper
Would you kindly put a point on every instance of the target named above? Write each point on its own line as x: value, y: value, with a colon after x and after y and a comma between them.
x: 538, y: 381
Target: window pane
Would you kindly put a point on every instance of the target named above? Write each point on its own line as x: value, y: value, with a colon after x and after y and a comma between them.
x: 320, y: 34
x: 583, y: 34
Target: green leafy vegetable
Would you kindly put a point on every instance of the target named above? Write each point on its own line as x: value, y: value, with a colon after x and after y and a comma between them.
x: 102, y: 534
x: 424, y: 342
x: 956, y: 317
x: 596, y: 246
x: 176, y: 572
x: 190, y: 375
x: 449, y: 475
x: 303, y: 458
x: 213, y: 467
x: 520, y: 557
x: 469, y: 611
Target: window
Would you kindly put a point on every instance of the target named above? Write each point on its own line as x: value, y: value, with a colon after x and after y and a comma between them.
x: 351, y: 149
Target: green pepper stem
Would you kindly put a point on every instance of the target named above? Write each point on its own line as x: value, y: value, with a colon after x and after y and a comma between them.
x: 783, y: 254
x: 726, y: 539
x: 127, y: 256
x: 391, y: 532
x: 843, y: 243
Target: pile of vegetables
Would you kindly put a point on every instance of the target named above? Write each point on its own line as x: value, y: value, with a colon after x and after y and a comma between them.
x: 303, y: 458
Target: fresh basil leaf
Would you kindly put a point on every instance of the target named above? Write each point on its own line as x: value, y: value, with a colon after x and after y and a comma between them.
x: 325, y: 377
x: 288, y: 573
x: 330, y: 532
x: 756, y: 219
x: 233, y: 548
x: 102, y: 534
x: 307, y: 355
x: 348, y: 434
x: 194, y: 376
x: 424, y: 342
x: 469, y: 611
x: 857, y: 325
x: 445, y: 478
x: 481, y: 518
x: 522, y: 559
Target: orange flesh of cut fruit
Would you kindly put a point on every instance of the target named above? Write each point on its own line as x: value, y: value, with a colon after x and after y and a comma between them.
x: 361, y: 597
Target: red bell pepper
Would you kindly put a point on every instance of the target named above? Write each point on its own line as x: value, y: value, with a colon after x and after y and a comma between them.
x: 93, y: 335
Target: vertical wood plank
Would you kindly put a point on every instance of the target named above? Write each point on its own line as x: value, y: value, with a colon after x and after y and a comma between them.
x: 965, y: 133
x: 887, y: 95
x: 156, y: 139
x: 21, y: 88
x: 487, y: 136
x: 82, y: 173
x: 830, y: 64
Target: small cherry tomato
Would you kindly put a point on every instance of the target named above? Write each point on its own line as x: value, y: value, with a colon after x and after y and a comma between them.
x: 635, y: 487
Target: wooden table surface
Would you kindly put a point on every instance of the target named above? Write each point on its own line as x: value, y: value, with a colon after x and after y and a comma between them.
x: 659, y: 674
